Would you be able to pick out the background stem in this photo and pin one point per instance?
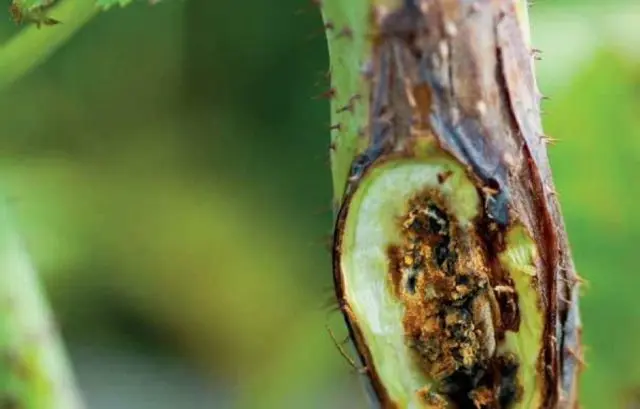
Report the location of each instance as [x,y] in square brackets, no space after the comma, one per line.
[34,372]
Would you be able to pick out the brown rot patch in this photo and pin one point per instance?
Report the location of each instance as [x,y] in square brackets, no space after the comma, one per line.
[492,384]
[433,399]
[440,273]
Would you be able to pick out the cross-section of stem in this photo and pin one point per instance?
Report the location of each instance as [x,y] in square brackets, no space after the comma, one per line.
[451,261]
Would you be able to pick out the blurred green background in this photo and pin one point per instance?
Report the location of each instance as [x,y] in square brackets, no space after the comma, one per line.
[168,168]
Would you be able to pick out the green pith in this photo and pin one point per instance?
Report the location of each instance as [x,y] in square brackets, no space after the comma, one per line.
[519,260]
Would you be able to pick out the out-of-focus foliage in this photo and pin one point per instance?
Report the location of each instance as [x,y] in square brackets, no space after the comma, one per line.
[34,372]
[169,170]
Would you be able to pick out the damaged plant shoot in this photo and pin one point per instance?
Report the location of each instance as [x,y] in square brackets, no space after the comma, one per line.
[450,257]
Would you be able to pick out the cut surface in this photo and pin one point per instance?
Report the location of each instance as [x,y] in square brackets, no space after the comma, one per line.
[382,200]
[444,318]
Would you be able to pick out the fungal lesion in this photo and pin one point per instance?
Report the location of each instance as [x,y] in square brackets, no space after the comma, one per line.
[439,272]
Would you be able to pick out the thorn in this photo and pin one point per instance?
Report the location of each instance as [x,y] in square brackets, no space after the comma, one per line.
[536,54]
[575,279]
[329,94]
[571,281]
[578,356]
[552,191]
[344,354]
[350,105]
[328,26]
[332,147]
[564,300]
[331,305]
[346,32]
[336,127]
[549,140]
[580,280]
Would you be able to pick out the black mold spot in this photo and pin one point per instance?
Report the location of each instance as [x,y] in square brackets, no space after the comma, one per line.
[463,279]
[442,252]
[435,225]
[499,375]
[412,281]
[438,220]
[508,389]
[434,222]
[459,385]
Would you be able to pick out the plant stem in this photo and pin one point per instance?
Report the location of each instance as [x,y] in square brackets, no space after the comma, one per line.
[448,93]
[33,45]
[34,371]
